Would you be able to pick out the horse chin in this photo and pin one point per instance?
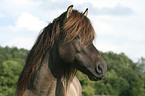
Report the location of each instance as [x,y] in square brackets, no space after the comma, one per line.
[94,78]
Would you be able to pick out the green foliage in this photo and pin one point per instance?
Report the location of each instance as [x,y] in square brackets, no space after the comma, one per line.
[10,71]
[87,85]
[11,64]
[123,77]
[13,54]
[141,64]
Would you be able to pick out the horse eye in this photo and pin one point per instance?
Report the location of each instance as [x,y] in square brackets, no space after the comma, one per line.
[77,37]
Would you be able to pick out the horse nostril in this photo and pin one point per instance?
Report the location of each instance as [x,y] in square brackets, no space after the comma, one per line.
[99,69]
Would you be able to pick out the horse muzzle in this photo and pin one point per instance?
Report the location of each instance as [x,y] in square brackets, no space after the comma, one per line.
[100,71]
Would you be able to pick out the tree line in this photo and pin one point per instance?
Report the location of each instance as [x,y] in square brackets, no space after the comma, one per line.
[123,78]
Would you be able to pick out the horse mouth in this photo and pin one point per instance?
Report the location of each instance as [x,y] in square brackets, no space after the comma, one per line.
[94,78]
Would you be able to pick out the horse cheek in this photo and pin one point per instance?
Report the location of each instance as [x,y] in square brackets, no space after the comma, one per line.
[67,53]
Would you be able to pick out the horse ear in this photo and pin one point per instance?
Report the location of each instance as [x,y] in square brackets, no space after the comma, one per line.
[69,11]
[86,12]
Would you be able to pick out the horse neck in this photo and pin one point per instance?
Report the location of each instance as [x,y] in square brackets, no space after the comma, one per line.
[44,83]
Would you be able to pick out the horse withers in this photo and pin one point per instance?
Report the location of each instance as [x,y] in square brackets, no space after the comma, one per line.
[62,48]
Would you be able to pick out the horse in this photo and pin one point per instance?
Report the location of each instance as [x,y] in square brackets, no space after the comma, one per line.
[63,47]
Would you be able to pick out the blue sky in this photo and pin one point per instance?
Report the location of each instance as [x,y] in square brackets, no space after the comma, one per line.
[119,24]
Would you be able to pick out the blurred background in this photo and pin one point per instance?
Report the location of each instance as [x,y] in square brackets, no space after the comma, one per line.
[120,37]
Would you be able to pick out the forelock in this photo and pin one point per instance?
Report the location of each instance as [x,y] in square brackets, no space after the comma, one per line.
[78,25]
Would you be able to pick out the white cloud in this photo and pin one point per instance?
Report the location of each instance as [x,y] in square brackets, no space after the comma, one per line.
[75,2]
[22,38]
[106,46]
[23,33]
[2,15]
[97,3]
[21,2]
[117,10]
[135,4]
[22,42]
[26,20]
[100,26]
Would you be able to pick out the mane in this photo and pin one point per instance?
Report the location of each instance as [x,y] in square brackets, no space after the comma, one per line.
[76,25]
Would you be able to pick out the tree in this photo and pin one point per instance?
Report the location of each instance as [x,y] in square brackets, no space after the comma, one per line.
[87,85]
[141,64]
[9,73]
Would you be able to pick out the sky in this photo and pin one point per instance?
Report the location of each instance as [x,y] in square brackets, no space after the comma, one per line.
[119,24]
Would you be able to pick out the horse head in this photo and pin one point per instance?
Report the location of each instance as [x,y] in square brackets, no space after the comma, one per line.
[75,45]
